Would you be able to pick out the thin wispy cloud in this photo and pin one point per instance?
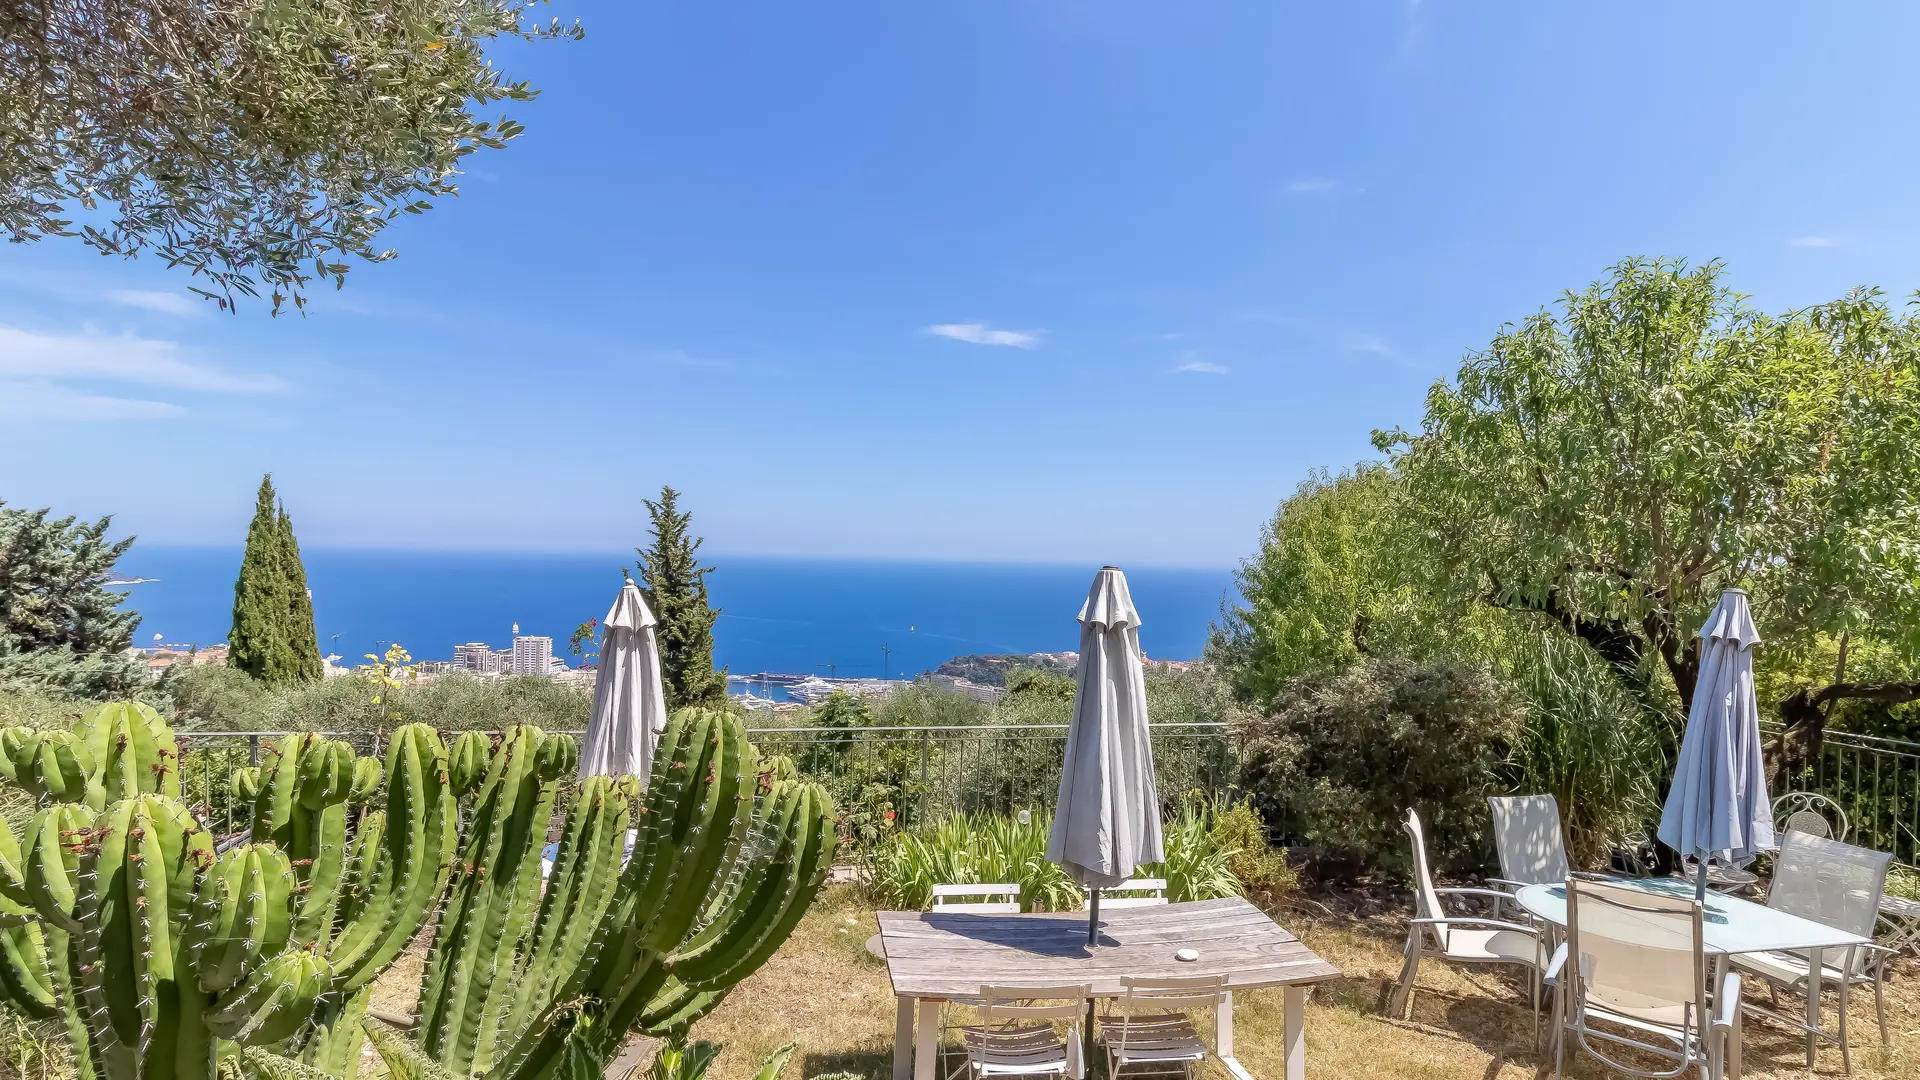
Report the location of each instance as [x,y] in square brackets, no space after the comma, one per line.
[167,303]
[50,376]
[1370,343]
[37,399]
[974,333]
[1814,241]
[1200,367]
[1312,185]
[1330,336]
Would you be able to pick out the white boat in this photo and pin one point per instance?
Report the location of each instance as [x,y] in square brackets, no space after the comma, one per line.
[811,690]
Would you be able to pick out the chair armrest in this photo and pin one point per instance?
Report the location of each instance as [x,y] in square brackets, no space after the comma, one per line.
[1497,894]
[1554,965]
[1729,1004]
[1497,924]
[1509,881]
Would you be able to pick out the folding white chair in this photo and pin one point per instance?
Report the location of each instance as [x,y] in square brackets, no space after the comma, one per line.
[1145,892]
[1149,1028]
[1027,1031]
[997,899]
[1838,885]
[1463,939]
[1809,812]
[1634,969]
[1526,831]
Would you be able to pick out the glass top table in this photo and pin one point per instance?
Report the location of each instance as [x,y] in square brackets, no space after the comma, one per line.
[1729,924]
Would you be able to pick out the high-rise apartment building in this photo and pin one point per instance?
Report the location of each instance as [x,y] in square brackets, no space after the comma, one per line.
[475,656]
[532,654]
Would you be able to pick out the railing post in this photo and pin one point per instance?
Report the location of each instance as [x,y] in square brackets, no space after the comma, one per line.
[926,746]
[253,751]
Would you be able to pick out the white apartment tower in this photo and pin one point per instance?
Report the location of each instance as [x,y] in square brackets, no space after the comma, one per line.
[532,654]
[476,657]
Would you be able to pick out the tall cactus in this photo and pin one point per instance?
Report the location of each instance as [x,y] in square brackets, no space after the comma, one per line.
[163,956]
[726,861]
[116,914]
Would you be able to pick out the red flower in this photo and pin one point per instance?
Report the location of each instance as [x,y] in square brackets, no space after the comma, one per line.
[889,815]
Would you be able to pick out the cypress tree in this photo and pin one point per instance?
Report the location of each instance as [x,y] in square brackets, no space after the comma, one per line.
[273,638]
[675,587]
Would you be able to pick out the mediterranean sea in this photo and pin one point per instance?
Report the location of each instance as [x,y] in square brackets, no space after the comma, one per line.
[806,616]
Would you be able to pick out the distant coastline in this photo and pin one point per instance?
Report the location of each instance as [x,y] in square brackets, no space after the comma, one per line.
[828,617]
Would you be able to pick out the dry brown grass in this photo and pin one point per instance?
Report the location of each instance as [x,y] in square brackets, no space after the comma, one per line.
[824,992]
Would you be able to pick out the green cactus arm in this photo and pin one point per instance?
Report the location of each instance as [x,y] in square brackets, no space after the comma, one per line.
[675,1008]
[57,765]
[243,784]
[421,837]
[472,943]
[54,842]
[273,807]
[468,760]
[369,775]
[326,870]
[11,755]
[815,859]
[26,971]
[13,874]
[403,1060]
[241,914]
[764,890]
[727,788]
[134,750]
[334,1044]
[274,1002]
[584,871]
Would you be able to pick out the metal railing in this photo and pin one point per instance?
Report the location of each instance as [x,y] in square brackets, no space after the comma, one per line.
[925,773]
[1875,781]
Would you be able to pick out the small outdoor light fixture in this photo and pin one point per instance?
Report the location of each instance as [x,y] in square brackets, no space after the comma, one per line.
[1025,817]
[1187,956]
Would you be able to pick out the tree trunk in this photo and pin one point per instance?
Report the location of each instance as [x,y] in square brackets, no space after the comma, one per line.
[1803,717]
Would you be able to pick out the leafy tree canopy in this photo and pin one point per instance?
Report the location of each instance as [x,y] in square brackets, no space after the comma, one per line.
[255,142]
[1617,464]
[61,629]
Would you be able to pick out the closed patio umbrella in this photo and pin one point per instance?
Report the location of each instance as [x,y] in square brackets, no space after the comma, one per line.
[1718,803]
[629,706]
[1107,821]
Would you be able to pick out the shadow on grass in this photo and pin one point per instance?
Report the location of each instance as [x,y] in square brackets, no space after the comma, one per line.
[866,1064]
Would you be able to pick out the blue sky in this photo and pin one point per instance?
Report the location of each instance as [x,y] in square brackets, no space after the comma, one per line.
[1063,281]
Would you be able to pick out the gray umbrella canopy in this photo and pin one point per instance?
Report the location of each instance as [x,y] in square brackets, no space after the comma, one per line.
[629,704]
[1718,804]
[1107,821]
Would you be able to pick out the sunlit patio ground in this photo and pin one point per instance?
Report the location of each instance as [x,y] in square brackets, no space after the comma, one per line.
[825,992]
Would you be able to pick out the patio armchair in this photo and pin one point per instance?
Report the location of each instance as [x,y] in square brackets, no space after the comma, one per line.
[1839,885]
[1809,812]
[1526,831]
[1020,1034]
[993,899]
[1461,938]
[1154,888]
[1638,980]
[1149,1029]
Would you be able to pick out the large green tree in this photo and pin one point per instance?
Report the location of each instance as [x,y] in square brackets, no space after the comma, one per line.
[1613,466]
[675,586]
[255,142]
[61,629]
[273,638]
[1328,586]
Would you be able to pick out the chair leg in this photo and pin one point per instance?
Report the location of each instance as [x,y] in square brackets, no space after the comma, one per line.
[1533,986]
[1846,1050]
[1404,995]
[1880,999]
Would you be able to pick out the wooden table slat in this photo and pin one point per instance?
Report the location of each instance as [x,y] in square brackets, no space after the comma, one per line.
[951,955]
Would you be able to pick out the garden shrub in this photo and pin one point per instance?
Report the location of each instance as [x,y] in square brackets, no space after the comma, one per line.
[1340,757]
[1262,870]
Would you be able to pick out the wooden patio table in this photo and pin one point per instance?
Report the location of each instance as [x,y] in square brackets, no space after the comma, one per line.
[940,956]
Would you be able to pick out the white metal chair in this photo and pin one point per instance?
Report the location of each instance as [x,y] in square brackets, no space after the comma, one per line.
[995,899]
[1149,1028]
[1464,939]
[1027,1031]
[1838,885]
[1155,890]
[1637,964]
[1526,830]
[1809,812]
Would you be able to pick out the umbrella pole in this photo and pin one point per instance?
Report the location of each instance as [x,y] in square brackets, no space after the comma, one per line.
[1093,916]
[1700,881]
